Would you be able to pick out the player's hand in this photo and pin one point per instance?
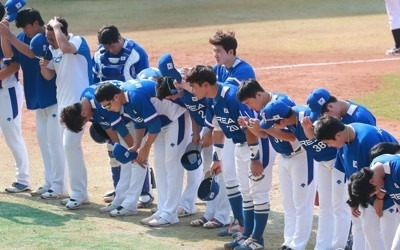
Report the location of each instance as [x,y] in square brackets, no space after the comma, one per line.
[378,205]
[196,138]
[216,167]
[55,23]
[143,155]
[207,139]
[256,167]
[43,63]
[5,23]
[254,123]
[306,123]
[243,120]
[355,212]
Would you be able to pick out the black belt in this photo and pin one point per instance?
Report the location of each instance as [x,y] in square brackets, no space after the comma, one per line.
[294,152]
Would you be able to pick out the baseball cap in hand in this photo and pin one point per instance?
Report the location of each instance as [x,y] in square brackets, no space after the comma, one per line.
[40,47]
[316,101]
[167,67]
[12,8]
[191,159]
[208,189]
[272,112]
[122,154]
[98,133]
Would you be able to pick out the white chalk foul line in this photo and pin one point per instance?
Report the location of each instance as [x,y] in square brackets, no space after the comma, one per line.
[325,63]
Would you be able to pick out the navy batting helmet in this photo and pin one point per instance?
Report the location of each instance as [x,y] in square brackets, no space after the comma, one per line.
[208,189]
[191,159]
[98,134]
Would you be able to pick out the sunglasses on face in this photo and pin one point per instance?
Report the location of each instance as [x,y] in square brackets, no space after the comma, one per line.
[107,106]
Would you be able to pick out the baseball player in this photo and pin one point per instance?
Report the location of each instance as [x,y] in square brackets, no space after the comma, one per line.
[11,95]
[217,210]
[70,54]
[357,139]
[380,179]
[229,69]
[253,159]
[118,58]
[293,157]
[167,124]
[40,95]
[133,175]
[280,115]
[393,12]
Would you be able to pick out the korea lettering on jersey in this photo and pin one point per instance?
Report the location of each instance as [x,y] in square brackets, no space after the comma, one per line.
[124,66]
[319,150]
[391,166]
[356,153]
[358,113]
[226,108]
[239,71]
[197,108]
[102,116]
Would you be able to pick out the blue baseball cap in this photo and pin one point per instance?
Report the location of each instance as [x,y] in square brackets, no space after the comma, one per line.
[40,47]
[150,74]
[122,154]
[316,101]
[191,159]
[272,112]
[167,67]
[12,7]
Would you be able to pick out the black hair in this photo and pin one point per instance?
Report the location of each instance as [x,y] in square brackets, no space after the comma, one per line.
[327,127]
[106,92]
[164,87]
[108,34]
[71,116]
[360,186]
[248,89]
[28,16]
[200,74]
[383,148]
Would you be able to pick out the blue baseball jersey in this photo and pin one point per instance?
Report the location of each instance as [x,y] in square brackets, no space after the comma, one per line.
[355,113]
[391,166]
[239,72]
[197,108]
[358,113]
[124,66]
[101,115]
[146,110]
[39,92]
[355,155]
[225,107]
[319,150]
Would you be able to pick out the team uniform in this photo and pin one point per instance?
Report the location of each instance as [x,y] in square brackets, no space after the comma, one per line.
[239,71]
[391,166]
[11,98]
[218,209]
[355,156]
[171,122]
[123,67]
[133,175]
[254,190]
[73,77]
[40,95]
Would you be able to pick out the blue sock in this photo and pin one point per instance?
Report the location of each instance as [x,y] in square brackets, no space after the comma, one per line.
[261,213]
[248,212]
[237,209]
[146,185]
[115,172]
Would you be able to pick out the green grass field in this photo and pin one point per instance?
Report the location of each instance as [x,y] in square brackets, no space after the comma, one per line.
[285,29]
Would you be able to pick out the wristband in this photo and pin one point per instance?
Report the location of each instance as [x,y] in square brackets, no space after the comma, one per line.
[254,152]
[217,152]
